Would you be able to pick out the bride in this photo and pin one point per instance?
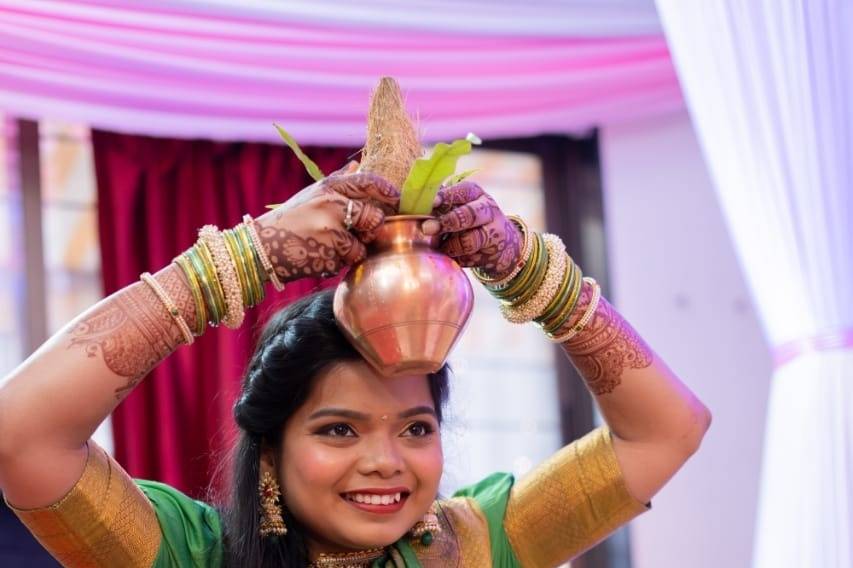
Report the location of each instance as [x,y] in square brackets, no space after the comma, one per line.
[336,465]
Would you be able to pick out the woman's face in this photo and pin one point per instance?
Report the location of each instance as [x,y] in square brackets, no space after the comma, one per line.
[361,460]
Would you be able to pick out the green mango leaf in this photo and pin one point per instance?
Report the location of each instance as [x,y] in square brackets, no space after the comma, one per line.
[313,170]
[453,180]
[427,174]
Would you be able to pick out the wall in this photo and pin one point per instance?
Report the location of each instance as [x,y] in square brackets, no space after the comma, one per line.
[676,278]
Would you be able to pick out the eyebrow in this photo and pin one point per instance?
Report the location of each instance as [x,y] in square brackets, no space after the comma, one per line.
[355,415]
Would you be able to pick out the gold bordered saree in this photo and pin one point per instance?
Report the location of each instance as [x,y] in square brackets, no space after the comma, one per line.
[562,508]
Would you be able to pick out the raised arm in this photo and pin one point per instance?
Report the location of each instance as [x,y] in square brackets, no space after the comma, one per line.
[52,403]
[654,423]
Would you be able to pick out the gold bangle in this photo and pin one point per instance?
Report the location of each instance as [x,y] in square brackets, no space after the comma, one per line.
[587,316]
[227,274]
[256,269]
[194,257]
[565,314]
[546,291]
[561,296]
[249,223]
[536,278]
[169,305]
[523,256]
[195,290]
[212,280]
[240,268]
[519,284]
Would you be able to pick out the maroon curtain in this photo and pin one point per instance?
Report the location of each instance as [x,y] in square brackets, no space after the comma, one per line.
[153,196]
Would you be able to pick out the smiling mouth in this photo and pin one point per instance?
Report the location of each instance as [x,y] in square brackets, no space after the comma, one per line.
[375,503]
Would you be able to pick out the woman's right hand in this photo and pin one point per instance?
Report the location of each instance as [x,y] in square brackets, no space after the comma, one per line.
[307,235]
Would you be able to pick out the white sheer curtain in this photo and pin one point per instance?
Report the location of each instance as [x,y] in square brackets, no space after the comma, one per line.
[768,83]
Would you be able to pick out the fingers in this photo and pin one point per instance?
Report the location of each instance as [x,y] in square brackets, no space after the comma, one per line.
[365,185]
[459,194]
[465,243]
[365,216]
[349,248]
[479,212]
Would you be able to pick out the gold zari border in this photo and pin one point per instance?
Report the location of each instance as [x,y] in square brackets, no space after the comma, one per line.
[569,503]
[104,521]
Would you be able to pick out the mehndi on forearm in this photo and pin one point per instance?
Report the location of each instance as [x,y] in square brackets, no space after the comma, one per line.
[213,282]
[606,346]
[132,330]
[548,288]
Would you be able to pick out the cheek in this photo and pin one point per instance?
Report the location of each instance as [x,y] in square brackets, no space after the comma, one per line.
[427,465]
[310,470]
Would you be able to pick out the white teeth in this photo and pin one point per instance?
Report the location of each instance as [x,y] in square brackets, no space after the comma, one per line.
[369,499]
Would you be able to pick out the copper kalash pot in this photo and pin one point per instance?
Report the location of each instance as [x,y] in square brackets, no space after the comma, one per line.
[405,306]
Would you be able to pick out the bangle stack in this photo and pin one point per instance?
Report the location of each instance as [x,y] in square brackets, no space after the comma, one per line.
[226,272]
[544,287]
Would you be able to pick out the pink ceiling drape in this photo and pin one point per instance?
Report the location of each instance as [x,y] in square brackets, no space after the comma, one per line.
[208,70]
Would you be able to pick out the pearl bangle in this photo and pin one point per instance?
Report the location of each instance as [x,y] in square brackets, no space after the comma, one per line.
[535,306]
[587,316]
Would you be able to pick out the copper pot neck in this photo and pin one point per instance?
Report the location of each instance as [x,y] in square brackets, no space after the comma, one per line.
[400,233]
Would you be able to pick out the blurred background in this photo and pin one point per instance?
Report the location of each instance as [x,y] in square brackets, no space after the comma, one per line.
[695,157]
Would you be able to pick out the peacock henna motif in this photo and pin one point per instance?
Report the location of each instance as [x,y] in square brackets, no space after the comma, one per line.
[606,347]
[132,331]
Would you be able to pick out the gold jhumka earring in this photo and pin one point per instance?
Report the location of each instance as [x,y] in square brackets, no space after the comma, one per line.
[272,523]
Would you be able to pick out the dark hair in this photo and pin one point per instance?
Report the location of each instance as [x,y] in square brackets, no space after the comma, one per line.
[297,344]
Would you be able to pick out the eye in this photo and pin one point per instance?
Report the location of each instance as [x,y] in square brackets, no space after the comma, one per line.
[419,429]
[339,430]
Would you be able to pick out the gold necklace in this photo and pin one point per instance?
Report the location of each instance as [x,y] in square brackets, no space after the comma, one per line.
[360,559]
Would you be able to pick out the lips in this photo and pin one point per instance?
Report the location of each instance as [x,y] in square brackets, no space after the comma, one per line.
[381,501]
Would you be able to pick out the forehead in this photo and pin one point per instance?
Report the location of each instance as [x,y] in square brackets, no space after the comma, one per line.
[356,385]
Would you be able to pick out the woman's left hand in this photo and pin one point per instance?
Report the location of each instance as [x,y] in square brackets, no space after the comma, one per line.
[478,234]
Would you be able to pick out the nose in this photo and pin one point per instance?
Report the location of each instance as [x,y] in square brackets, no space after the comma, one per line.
[381,456]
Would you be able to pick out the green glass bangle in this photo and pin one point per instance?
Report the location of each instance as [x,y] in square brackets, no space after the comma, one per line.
[195,256]
[571,304]
[537,279]
[562,295]
[256,268]
[518,285]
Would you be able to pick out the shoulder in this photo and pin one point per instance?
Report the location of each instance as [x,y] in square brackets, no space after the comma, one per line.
[470,527]
[191,529]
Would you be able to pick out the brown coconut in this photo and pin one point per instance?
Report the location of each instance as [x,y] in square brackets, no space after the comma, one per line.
[392,144]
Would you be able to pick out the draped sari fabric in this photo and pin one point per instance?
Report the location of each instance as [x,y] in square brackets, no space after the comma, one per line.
[769,87]
[224,70]
[153,195]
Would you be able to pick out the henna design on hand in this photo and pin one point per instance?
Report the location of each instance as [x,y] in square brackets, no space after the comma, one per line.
[132,330]
[480,235]
[295,257]
[606,347]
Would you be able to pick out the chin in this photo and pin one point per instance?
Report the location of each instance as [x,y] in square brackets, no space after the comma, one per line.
[373,537]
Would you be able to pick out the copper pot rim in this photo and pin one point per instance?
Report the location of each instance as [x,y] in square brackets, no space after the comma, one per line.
[408,217]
